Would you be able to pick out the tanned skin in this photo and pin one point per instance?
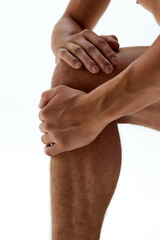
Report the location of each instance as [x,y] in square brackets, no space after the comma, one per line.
[83,180]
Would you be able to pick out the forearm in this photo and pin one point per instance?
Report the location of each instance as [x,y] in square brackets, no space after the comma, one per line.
[137,87]
[78,15]
[83,80]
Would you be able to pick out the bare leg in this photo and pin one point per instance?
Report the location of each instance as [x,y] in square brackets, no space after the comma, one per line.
[83,180]
[82,184]
[147,117]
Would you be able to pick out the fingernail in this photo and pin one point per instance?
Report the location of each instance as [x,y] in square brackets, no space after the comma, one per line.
[78,64]
[95,68]
[108,69]
[114,60]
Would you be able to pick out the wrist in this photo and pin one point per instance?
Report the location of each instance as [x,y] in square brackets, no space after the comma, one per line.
[110,98]
[65,28]
[95,98]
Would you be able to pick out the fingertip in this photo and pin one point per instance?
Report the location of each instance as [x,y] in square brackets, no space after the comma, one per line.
[114,60]
[114,37]
[78,65]
[114,44]
[95,69]
[108,69]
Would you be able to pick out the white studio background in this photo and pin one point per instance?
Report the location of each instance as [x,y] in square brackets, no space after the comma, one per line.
[26,67]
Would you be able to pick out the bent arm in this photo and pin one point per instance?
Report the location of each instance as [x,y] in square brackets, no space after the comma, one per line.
[84,80]
[137,87]
[79,15]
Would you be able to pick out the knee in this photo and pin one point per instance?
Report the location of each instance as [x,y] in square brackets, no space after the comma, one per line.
[80,79]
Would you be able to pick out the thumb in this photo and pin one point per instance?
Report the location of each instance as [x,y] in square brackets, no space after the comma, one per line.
[52,150]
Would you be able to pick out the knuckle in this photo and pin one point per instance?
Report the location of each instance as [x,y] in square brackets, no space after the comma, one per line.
[88,62]
[40,126]
[77,50]
[43,95]
[100,40]
[63,52]
[44,113]
[40,115]
[91,48]
[86,31]
[102,61]
[47,126]
[110,54]
[75,37]
[42,139]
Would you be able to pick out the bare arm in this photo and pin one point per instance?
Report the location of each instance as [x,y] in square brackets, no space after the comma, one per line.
[79,15]
[137,87]
[84,80]
[74,42]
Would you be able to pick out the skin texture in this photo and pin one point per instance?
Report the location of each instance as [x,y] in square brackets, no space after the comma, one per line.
[83,179]
[88,49]
[82,184]
[137,87]
[82,80]
[147,117]
[63,138]
[74,41]
[79,15]
[82,115]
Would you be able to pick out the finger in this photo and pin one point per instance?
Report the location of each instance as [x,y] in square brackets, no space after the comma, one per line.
[44,114]
[97,56]
[113,37]
[40,115]
[46,97]
[112,41]
[52,150]
[64,54]
[102,45]
[46,139]
[83,56]
[42,127]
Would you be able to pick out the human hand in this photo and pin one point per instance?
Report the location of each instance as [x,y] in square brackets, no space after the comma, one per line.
[88,49]
[69,120]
